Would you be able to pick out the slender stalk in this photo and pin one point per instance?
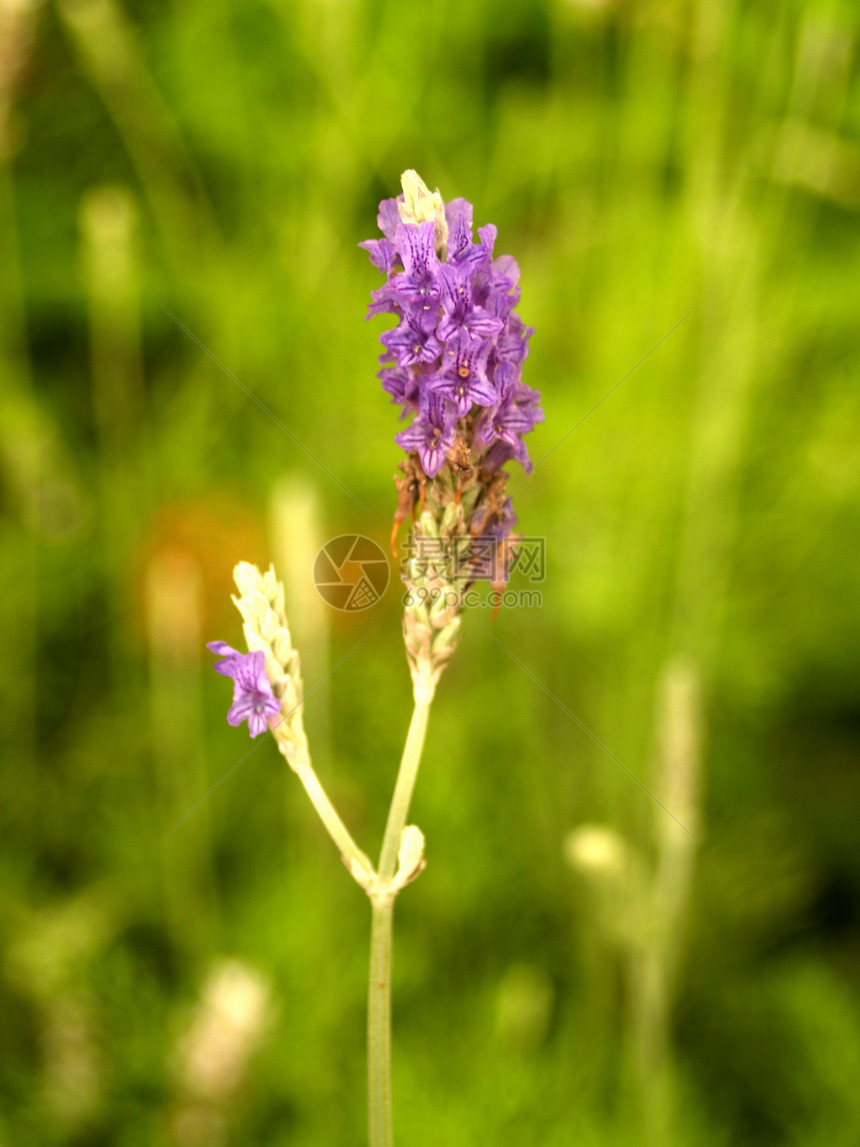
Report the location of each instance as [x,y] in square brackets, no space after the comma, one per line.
[409,763]
[335,827]
[379,1023]
[382,903]
[298,758]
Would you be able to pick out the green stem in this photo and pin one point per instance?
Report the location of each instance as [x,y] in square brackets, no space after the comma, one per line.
[382,902]
[337,830]
[409,763]
[379,1024]
[298,758]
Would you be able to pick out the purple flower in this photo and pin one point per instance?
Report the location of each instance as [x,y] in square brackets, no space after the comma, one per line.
[529,398]
[459,310]
[512,344]
[461,249]
[383,302]
[388,218]
[503,427]
[495,288]
[511,421]
[383,254]
[506,380]
[409,343]
[463,377]
[487,235]
[431,434]
[418,283]
[403,386]
[457,351]
[453,362]
[253,699]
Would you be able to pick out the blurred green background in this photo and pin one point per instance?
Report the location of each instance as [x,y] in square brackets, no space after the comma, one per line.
[573,967]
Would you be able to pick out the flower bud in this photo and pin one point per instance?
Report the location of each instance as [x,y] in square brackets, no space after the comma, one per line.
[421,205]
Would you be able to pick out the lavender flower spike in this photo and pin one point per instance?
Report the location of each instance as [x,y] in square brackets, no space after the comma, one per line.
[454,363]
[253,699]
[261,604]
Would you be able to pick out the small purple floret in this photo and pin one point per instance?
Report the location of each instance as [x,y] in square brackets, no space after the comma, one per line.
[463,377]
[431,435]
[459,312]
[253,700]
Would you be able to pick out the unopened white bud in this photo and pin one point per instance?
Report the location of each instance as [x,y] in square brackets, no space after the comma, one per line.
[410,856]
[421,205]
